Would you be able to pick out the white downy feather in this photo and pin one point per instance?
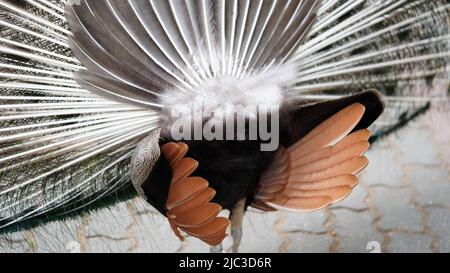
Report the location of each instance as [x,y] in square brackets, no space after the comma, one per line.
[258,88]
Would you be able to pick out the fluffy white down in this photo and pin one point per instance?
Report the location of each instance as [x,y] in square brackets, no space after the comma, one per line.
[259,88]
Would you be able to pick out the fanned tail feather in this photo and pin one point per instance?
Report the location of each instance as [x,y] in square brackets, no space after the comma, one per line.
[59,144]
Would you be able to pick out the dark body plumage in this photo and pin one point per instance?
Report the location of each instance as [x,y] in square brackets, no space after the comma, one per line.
[234,168]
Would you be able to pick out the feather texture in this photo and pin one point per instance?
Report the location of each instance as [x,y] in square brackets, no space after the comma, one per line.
[320,168]
[188,203]
[59,143]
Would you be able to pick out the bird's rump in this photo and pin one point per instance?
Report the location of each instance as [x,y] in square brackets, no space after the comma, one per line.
[318,169]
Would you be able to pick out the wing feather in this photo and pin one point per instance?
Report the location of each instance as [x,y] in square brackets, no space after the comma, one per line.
[319,169]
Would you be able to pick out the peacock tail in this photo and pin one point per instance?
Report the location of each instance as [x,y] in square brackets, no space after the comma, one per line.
[82,82]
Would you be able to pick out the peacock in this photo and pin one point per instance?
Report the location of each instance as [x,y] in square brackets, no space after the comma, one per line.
[204,106]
